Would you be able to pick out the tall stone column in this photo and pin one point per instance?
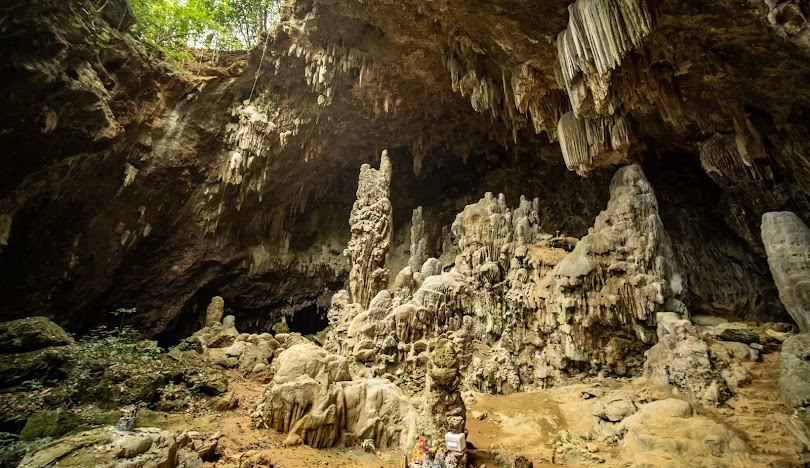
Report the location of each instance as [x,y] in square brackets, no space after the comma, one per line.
[787,243]
[371,224]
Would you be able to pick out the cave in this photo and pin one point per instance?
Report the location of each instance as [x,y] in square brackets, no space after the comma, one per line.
[596,209]
[308,321]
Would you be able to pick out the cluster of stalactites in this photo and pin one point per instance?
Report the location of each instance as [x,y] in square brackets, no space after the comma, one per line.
[600,33]
[324,63]
[513,97]
[591,143]
[250,137]
[720,157]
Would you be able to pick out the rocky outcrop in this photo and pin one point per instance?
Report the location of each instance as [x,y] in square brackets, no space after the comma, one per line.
[313,399]
[527,308]
[33,349]
[710,372]
[787,243]
[105,446]
[794,374]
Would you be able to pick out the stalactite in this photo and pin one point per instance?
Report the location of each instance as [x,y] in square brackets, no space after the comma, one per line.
[599,142]
[574,142]
[603,63]
[600,33]
[720,157]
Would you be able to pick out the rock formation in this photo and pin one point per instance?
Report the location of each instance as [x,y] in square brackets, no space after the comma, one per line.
[708,371]
[130,185]
[232,179]
[787,243]
[314,400]
[215,311]
[794,375]
[525,311]
[371,228]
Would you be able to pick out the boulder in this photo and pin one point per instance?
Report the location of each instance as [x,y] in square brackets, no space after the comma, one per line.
[131,447]
[310,360]
[614,407]
[105,446]
[218,335]
[259,354]
[707,320]
[667,430]
[682,358]
[313,399]
[787,244]
[31,334]
[44,364]
[736,331]
[226,401]
[50,423]
[794,374]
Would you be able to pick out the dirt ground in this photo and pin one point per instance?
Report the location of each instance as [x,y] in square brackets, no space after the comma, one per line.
[241,443]
[503,427]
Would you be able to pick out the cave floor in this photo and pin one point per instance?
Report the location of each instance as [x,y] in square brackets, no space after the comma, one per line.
[503,427]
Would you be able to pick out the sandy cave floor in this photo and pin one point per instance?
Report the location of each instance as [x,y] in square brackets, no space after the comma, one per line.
[519,424]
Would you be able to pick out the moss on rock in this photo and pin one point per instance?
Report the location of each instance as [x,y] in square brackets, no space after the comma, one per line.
[50,423]
[31,334]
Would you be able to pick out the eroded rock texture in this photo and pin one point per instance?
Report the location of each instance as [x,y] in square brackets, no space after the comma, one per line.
[130,186]
[787,243]
[794,374]
[526,308]
[371,227]
[314,400]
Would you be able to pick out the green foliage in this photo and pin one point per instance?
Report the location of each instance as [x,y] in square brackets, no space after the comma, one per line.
[123,312]
[12,450]
[368,445]
[281,326]
[171,26]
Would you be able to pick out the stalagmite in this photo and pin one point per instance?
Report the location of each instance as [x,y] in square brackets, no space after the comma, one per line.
[371,226]
[418,241]
[526,307]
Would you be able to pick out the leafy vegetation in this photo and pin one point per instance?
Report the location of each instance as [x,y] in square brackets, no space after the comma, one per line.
[123,313]
[172,26]
[12,450]
[368,445]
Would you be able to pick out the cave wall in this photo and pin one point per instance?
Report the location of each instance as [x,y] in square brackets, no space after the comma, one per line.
[128,185]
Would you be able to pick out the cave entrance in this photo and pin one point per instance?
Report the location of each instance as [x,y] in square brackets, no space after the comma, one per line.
[308,320]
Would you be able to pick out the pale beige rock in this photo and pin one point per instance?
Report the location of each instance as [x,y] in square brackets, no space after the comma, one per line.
[666,430]
[371,227]
[313,400]
[682,358]
[787,243]
[529,310]
[215,311]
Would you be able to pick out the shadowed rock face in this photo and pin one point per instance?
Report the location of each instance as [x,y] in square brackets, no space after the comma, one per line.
[128,186]
[787,242]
